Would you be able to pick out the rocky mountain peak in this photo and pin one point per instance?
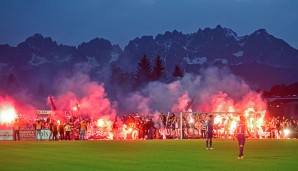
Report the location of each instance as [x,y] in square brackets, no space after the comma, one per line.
[38,42]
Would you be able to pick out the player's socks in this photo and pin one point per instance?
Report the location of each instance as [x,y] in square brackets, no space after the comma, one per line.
[241,151]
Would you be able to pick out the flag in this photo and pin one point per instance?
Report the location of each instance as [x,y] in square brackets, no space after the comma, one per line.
[190,105]
[78,106]
[53,107]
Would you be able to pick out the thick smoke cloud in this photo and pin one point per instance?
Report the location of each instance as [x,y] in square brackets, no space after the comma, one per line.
[215,89]
[80,90]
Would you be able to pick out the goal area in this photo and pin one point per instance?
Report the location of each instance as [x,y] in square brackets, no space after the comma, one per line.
[188,118]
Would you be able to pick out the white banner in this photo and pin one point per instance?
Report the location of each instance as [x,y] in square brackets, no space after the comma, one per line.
[6,135]
[45,134]
[43,112]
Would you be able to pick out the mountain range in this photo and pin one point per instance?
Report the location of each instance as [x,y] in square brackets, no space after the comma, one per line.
[259,58]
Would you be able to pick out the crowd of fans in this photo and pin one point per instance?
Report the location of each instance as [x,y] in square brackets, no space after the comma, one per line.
[194,126]
[160,126]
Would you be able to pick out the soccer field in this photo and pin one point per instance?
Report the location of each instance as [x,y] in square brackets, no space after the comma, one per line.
[164,155]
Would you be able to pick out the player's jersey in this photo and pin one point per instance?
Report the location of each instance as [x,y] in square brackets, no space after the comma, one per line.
[209,126]
[241,128]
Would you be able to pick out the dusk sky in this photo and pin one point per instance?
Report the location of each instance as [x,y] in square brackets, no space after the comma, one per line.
[73,22]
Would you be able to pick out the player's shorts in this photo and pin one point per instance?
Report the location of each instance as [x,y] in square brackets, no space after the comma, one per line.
[209,135]
[241,139]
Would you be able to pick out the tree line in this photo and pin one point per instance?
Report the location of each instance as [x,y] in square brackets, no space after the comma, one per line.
[145,73]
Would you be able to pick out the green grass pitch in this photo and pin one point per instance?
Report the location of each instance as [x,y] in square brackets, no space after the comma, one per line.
[151,155]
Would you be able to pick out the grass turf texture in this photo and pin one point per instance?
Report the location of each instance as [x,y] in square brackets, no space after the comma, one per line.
[148,155]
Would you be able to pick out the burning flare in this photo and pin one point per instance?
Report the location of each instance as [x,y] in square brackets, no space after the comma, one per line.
[7,114]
